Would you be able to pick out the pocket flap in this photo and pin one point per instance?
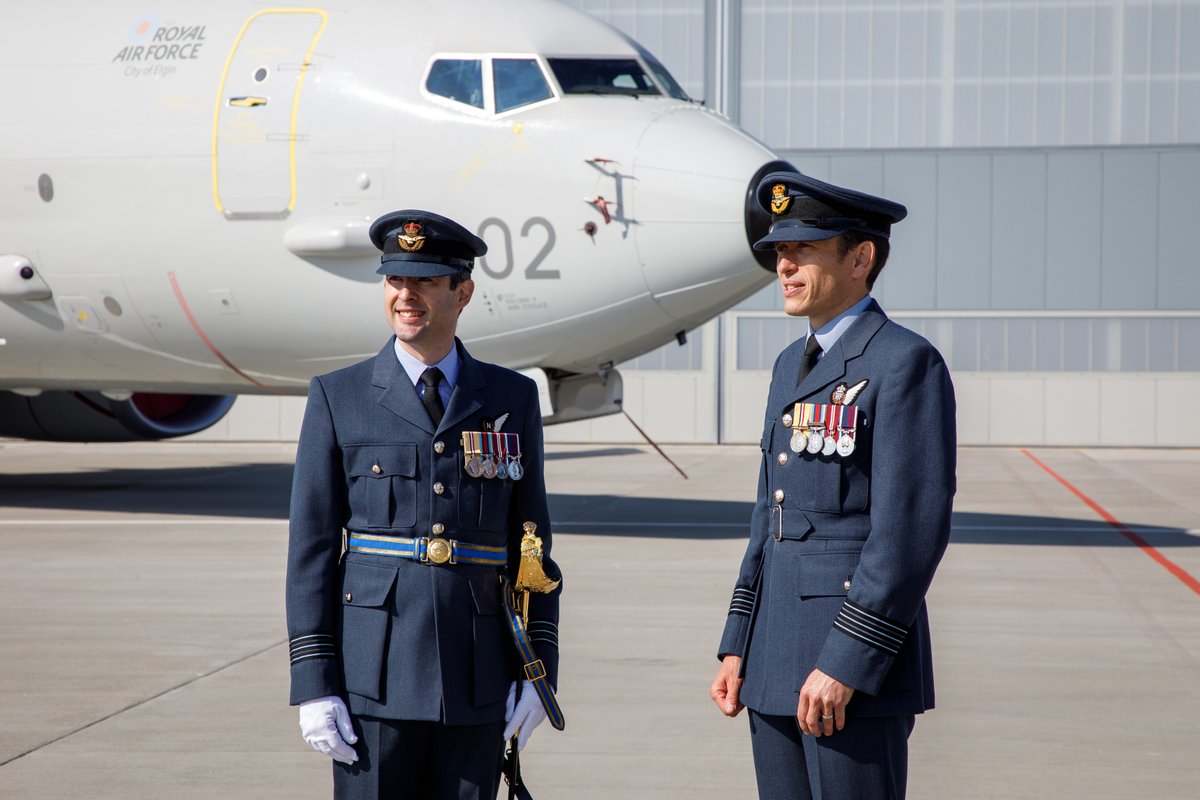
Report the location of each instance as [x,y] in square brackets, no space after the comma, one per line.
[381,460]
[826,574]
[366,584]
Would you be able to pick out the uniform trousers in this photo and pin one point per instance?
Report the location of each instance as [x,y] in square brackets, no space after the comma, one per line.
[867,760]
[412,760]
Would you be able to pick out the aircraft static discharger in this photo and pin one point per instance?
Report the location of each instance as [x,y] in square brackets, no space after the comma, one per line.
[185,198]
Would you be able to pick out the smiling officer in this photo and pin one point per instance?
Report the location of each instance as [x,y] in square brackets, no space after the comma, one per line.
[415,472]
[827,638]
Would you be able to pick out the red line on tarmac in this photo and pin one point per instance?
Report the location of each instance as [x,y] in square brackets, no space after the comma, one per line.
[1170,566]
[203,337]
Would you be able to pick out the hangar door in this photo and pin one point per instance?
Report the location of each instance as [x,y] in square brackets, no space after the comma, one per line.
[254,138]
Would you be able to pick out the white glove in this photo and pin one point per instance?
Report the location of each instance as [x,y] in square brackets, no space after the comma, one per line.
[527,715]
[325,724]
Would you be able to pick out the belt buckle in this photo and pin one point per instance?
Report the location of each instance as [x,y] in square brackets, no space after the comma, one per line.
[439,551]
[778,536]
[535,670]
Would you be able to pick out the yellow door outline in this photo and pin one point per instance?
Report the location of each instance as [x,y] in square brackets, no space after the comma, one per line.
[295,97]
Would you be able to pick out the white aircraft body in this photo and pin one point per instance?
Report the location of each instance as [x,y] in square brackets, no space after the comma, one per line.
[185,198]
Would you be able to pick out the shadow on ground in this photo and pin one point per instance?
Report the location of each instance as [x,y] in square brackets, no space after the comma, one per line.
[262,491]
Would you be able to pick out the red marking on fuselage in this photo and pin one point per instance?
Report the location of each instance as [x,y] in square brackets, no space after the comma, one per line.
[204,337]
[1170,566]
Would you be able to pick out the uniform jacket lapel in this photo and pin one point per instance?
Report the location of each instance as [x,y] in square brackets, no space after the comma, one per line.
[398,395]
[467,397]
[851,344]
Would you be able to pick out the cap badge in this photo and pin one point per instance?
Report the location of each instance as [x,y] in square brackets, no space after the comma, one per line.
[844,395]
[411,240]
[779,199]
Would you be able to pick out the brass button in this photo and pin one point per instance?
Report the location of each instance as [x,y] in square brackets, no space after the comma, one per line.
[438,488]
[786,420]
[349,597]
[438,447]
[438,529]
[376,469]
[779,495]
[846,585]
[783,458]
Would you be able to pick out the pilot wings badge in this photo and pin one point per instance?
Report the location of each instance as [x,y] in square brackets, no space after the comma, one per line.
[845,396]
[779,199]
[411,240]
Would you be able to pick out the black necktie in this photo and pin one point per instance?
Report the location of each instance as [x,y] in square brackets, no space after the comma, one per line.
[430,378]
[811,351]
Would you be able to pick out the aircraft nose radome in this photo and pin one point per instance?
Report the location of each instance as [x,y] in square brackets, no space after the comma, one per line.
[690,215]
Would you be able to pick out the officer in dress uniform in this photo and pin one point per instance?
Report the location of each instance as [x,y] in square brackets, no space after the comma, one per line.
[401,659]
[827,638]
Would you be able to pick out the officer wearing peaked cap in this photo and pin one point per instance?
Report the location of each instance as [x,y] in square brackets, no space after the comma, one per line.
[827,636]
[401,657]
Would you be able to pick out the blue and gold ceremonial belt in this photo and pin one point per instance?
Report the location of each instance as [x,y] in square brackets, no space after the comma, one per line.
[427,550]
[535,670]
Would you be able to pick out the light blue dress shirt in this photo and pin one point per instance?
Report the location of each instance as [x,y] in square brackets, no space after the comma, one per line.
[832,331]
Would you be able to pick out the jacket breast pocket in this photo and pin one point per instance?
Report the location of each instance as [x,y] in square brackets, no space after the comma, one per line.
[826,574]
[383,486]
[366,616]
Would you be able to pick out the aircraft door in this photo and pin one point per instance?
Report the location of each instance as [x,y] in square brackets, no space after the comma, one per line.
[254,133]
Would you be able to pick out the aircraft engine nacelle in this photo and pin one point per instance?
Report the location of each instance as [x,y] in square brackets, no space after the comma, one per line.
[565,397]
[92,417]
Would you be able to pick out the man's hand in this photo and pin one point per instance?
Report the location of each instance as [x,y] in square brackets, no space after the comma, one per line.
[325,724]
[522,715]
[822,707]
[727,686]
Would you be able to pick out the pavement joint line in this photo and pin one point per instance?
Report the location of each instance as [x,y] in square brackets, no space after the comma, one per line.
[142,702]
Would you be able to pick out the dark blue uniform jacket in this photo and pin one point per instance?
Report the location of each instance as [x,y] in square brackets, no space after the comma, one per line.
[401,639]
[836,570]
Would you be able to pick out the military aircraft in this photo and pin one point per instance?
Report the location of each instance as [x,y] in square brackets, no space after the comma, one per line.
[185,198]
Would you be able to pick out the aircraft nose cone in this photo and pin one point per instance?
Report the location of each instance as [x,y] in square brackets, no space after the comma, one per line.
[758,221]
[688,213]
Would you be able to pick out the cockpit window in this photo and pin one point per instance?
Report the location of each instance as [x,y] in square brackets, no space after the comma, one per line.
[518,82]
[602,76]
[662,74]
[459,79]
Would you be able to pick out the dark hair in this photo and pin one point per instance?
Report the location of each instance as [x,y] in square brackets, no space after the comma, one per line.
[851,239]
[459,277]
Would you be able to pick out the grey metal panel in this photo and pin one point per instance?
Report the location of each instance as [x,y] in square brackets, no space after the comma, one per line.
[863,172]
[1048,344]
[1128,277]
[1178,271]
[856,117]
[1189,345]
[909,281]
[1049,114]
[964,223]
[1018,275]
[1019,122]
[1162,345]
[1074,189]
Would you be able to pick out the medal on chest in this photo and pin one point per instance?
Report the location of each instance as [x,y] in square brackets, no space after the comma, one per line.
[490,454]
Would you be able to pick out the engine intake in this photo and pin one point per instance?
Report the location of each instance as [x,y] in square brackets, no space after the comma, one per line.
[91,417]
